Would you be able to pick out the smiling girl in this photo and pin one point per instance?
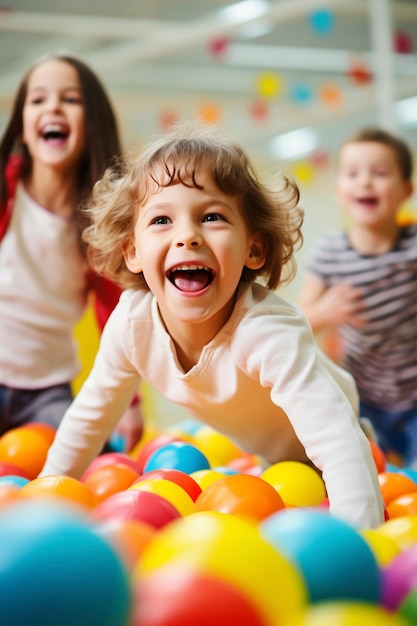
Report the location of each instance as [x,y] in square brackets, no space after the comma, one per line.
[61,135]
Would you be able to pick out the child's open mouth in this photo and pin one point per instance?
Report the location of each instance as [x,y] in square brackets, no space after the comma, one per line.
[53,132]
[190,278]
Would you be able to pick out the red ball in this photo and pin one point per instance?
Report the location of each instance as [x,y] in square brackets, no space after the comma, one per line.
[172,596]
[136,505]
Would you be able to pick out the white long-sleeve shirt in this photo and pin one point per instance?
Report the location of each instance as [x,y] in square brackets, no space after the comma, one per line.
[262,381]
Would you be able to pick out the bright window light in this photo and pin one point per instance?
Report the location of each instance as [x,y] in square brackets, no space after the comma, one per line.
[242,12]
[407,111]
[295,144]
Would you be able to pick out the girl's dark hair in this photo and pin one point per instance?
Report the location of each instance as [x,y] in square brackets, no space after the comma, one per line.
[102,136]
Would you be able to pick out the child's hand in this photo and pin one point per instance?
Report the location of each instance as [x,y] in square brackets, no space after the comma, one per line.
[342,304]
[130,426]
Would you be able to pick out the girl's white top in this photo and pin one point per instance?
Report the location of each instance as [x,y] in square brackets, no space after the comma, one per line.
[262,381]
[43,293]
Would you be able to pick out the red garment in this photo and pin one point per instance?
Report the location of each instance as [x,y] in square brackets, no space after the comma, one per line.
[106,293]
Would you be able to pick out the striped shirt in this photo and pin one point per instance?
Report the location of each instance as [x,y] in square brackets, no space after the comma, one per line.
[382,356]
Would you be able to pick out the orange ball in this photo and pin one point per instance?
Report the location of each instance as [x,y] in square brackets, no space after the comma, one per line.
[393,485]
[43,429]
[60,487]
[403,505]
[128,537]
[242,495]
[379,457]
[109,479]
[25,448]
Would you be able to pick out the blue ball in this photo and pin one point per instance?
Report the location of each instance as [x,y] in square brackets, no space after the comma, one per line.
[55,569]
[177,455]
[13,480]
[334,559]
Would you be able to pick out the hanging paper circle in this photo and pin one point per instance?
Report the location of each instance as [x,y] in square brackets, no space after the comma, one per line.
[322,21]
[301,93]
[331,95]
[269,85]
[259,110]
[403,44]
[359,72]
[218,47]
[319,159]
[209,113]
[167,119]
[304,171]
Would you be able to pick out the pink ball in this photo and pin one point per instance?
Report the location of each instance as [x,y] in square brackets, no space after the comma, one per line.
[399,577]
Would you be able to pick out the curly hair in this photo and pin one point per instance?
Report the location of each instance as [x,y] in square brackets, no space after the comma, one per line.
[271,212]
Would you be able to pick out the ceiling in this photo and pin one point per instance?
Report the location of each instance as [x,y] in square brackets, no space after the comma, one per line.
[327,66]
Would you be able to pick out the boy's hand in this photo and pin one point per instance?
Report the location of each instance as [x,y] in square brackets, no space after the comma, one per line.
[342,305]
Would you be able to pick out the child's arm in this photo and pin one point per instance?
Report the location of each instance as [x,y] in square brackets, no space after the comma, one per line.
[327,307]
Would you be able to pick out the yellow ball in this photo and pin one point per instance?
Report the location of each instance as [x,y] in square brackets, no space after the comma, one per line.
[233,550]
[298,484]
[383,546]
[205,478]
[218,448]
[403,530]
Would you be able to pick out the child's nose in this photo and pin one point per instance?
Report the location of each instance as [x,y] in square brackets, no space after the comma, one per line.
[189,238]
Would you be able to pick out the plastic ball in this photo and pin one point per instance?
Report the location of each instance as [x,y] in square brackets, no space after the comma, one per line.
[65,487]
[345,614]
[18,481]
[403,505]
[334,559]
[246,496]
[177,455]
[206,477]
[170,491]
[393,485]
[186,481]
[9,469]
[46,430]
[152,445]
[109,458]
[383,547]
[218,448]
[25,448]
[399,578]
[109,479]
[128,537]
[136,505]
[54,569]
[402,530]
[379,457]
[298,484]
[8,494]
[227,547]
[173,596]
[408,607]
[247,464]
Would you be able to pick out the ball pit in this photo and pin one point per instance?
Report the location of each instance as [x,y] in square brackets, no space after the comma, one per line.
[194,542]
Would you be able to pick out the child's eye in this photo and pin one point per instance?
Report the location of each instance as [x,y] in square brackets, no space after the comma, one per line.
[161,220]
[73,100]
[213,217]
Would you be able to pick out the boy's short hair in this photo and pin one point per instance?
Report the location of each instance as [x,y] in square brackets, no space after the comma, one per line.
[378,135]
[273,212]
